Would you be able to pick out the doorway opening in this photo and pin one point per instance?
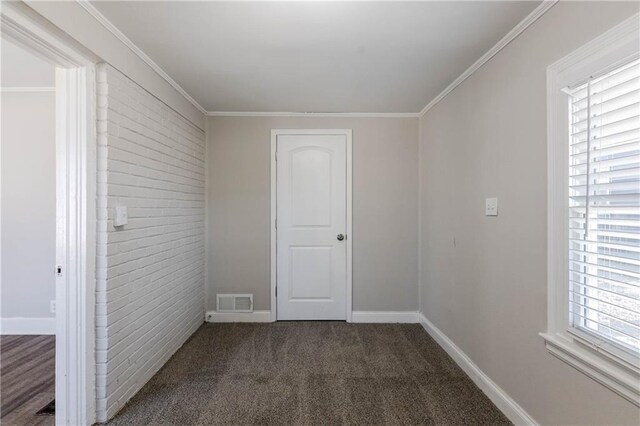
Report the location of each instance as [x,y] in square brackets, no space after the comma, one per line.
[48,229]
[29,233]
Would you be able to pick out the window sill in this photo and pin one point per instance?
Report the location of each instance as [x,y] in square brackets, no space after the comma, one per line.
[613,375]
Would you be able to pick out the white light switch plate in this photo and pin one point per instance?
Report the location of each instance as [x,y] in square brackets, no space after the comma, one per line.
[491,207]
[121,217]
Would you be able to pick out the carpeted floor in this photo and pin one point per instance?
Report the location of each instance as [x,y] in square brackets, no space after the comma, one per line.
[304,373]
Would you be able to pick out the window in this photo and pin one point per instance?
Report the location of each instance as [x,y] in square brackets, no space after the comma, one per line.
[604,208]
[594,209]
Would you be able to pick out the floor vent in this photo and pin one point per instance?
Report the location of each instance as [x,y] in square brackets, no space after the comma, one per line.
[235,303]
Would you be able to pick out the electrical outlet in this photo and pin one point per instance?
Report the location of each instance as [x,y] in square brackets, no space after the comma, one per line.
[52,306]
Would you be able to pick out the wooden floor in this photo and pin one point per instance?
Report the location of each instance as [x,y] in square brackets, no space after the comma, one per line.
[27,379]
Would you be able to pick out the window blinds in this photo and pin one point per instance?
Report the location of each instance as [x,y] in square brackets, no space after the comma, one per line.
[604,207]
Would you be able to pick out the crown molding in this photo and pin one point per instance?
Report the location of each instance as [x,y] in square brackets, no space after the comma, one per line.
[511,35]
[515,32]
[91,9]
[26,89]
[315,114]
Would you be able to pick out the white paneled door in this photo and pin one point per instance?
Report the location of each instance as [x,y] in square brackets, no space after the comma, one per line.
[311,226]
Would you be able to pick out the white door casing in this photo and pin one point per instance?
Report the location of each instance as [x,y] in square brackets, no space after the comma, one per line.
[75,208]
[312,224]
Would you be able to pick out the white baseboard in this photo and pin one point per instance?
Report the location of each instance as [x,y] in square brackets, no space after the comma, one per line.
[499,397]
[28,326]
[406,317]
[255,316]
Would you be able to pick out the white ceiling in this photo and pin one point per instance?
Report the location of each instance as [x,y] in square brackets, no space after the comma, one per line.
[382,57]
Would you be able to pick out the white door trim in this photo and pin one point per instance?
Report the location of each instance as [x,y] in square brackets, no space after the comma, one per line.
[274,179]
[75,208]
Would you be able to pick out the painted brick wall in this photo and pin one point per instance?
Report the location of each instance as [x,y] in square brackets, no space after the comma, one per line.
[150,286]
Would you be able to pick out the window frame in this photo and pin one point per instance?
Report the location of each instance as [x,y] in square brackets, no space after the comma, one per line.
[586,352]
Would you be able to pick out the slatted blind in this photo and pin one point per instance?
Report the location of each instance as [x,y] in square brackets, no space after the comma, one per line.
[604,207]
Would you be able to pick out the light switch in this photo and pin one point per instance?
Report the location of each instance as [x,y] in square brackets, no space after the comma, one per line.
[491,207]
[121,217]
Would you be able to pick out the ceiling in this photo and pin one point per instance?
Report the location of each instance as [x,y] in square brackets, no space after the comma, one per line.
[354,57]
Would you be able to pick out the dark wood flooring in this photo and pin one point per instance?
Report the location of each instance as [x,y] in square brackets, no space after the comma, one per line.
[27,379]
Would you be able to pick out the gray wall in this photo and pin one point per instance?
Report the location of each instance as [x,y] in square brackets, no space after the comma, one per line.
[28,204]
[385,207]
[28,218]
[488,292]
[84,31]
[21,68]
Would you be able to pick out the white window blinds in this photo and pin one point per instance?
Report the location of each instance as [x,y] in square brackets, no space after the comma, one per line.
[604,208]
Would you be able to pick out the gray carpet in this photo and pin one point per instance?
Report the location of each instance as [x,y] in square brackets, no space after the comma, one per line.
[307,373]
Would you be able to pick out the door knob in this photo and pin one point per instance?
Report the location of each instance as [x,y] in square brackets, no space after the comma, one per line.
[340,237]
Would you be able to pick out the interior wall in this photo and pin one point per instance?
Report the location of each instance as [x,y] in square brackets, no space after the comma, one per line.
[483,278]
[21,68]
[151,154]
[72,18]
[28,203]
[28,176]
[150,272]
[385,219]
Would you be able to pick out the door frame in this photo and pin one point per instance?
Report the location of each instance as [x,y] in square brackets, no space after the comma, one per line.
[75,142]
[347,133]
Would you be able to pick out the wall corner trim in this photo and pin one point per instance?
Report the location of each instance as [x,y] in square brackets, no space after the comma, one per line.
[497,395]
[30,326]
[511,35]
[91,9]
